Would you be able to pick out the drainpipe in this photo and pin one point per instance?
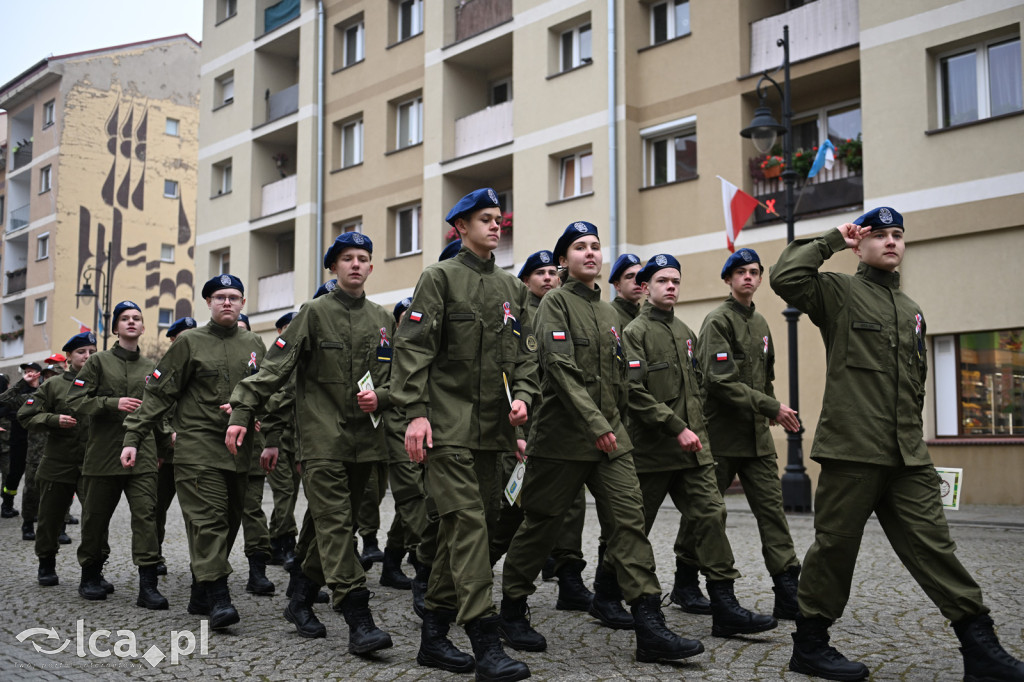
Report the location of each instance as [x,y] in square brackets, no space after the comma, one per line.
[613,156]
[319,249]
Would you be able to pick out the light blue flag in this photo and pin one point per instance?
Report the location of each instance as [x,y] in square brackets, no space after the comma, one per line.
[826,158]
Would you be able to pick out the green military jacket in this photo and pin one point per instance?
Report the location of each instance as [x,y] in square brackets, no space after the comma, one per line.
[584,390]
[737,357]
[65,448]
[330,344]
[874,350]
[194,378]
[664,391]
[627,312]
[469,323]
[107,377]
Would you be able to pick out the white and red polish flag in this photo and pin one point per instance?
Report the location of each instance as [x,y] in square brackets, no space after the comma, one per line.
[738,205]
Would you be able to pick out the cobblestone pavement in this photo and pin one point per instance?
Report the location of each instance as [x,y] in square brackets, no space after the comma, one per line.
[890,625]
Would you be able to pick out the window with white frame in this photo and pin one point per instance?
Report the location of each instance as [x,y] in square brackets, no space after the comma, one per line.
[835,122]
[171,189]
[669,20]
[45,179]
[353,225]
[409,123]
[171,127]
[40,311]
[352,48]
[167,253]
[226,9]
[43,246]
[577,174]
[670,152]
[980,81]
[352,143]
[224,89]
[49,111]
[220,261]
[221,176]
[575,47]
[410,19]
[407,230]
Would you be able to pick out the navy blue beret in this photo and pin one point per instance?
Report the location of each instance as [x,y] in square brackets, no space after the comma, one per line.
[401,307]
[623,263]
[450,251]
[123,306]
[346,240]
[244,319]
[223,281]
[179,325]
[326,288]
[659,262]
[580,228]
[741,257]
[881,218]
[284,319]
[474,201]
[536,261]
[79,340]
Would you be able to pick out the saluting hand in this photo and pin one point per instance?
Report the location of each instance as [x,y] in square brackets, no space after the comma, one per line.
[268,459]
[416,434]
[367,401]
[518,415]
[128,457]
[128,404]
[234,438]
[606,443]
[852,234]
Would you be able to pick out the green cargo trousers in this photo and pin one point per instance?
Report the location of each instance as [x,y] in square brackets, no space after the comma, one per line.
[54,501]
[284,485]
[101,497]
[255,532]
[211,502]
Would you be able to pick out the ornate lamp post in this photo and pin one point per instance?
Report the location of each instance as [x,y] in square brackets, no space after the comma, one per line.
[86,291]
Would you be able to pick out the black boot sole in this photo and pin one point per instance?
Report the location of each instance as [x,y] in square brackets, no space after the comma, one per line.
[153,606]
[396,584]
[319,633]
[431,662]
[608,623]
[224,621]
[260,591]
[92,596]
[49,582]
[381,643]
[726,631]
[800,667]
[653,655]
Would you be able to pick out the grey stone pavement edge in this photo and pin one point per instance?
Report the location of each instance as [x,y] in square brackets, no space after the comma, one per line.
[889,624]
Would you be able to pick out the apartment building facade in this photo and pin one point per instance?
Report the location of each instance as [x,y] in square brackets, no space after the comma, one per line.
[623,112]
[99,190]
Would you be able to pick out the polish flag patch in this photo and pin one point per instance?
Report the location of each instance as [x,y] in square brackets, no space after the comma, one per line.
[634,364]
[156,374]
[415,316]
[30,401]
[280,343]
[721,357]
[558,336]
[79,382]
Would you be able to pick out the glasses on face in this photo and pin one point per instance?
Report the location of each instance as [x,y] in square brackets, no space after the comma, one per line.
[233,300]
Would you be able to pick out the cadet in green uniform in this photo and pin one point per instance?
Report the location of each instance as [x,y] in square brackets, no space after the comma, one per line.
[579,438]
[61,467]
[871,448]
[26,449]
[628,294]
[737,355]
[672,451]
[107,390]
[465,375]
[195,378]
[331,344]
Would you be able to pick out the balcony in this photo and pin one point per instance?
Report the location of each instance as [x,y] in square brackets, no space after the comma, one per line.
[483,129]
[275,292]
[13,348]
[16,281]
[22,155]
[476,16]
[280,14]
[815,29]
[829,190]
[279,196]
[282,103]
[19,218]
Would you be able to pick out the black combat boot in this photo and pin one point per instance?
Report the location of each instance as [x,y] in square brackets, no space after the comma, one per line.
[276,551]
[729,618]
[514,626]
[63,537]
[573,595]
[686,590]
[48,571]
[7,510]
[492,663]
[371,551]
[107,587]
[161,568]
[321,596]
[812,654]
[391,570]
[654,641]
[547,572]
[436,650]
[984,656]
[70,520]
[258,581]
[28,530]
[149,596]
[222,612]
[289,552]
[198,605]
[90,588]
[786,583]
[419,587]
[299,611]
[364,636]
[606,605]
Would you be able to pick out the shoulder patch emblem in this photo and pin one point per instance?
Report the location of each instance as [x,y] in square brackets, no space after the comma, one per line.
[156,374]
[558,336]
[79,382]
[531,343]
[721,357]
[280,343]
[415,316]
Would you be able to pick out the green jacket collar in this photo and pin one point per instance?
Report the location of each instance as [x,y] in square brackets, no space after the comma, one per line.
[221,331]
[656,313]
[129,355]
[471,260]
[347,299]
[633,309]
[534,300]
[582,290]
[886,278]
[746,312]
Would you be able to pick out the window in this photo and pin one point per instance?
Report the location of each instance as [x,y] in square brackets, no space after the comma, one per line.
[221,177]
[979,384]
[501,91]
[409,125]
[354,225]
[164,318]
[171,127]
[981,81]
[352,44]
[838,122]
[352,143]
[43,246]
[171,189]
[407,230]
[167,253]
[577,175]
[40,311]
[220,261]
[48,113]
[670,152]
[224,90]
[226,9]
[575,48]
[669,20]
[410,19]
[45,179]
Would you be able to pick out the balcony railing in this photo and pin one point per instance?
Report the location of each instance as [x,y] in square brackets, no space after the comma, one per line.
[16,281]
[279,196]
[13,348]
[476,16]
[22,156]
[830,189]
[19,218]
[283,103]
[814,29]
[276,291]
[483,129]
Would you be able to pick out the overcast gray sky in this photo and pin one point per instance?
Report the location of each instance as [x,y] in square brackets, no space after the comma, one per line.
[34,29]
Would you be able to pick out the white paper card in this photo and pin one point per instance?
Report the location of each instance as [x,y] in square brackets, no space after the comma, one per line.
[515,483]
[366,384]
[952,483]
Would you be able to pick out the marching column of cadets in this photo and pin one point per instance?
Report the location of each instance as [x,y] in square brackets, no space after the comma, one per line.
[621,397]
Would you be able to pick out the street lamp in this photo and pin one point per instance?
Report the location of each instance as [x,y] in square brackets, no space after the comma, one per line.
[763,131]
[86,291]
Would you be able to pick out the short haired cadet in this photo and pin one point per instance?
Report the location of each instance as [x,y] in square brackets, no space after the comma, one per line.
[741,257]
[347,240]
[244,319]
[79,340]
[123,306]
[622,263]
[484,197]
[536,261]
[575,230]
[658,262]
[222,281]
[179,325]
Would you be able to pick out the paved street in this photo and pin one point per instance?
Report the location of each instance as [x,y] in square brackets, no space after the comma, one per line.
[889,624]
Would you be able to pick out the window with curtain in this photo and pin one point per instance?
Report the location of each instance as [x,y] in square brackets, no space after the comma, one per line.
[980,81]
